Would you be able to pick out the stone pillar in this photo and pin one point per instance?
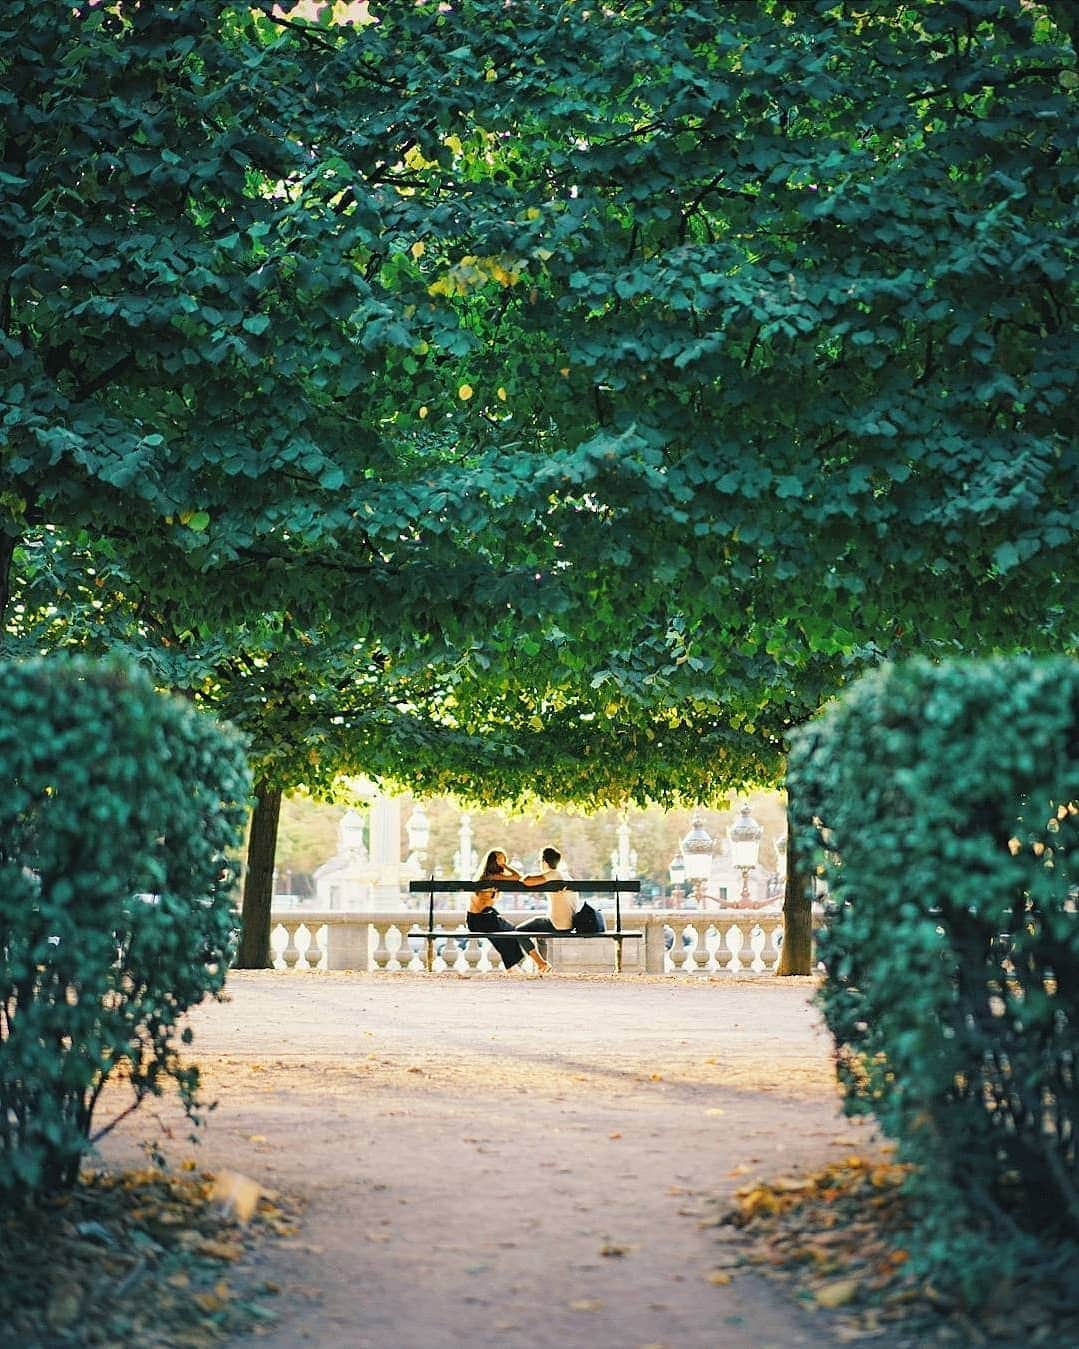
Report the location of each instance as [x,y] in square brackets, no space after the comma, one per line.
[349,944]
[654,946]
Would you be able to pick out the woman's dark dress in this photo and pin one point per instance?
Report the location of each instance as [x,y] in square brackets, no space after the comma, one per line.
[512,949]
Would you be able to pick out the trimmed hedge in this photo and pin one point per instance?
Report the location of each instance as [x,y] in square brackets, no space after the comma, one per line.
[118,807]
[940,802]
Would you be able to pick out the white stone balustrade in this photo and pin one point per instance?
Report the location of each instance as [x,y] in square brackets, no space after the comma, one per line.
[711,942]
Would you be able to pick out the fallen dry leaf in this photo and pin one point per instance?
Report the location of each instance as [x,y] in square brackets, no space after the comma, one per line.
[839,1293]
[220,1250]
[842,1236]
[236,1195]
[586,1304]
[141,1259]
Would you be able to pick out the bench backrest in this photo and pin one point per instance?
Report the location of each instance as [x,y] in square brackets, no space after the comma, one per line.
[433,887]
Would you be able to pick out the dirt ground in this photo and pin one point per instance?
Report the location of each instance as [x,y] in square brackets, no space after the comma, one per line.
[510,1161]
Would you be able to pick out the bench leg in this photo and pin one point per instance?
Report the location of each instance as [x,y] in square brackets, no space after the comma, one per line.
[618,955]
[430,959]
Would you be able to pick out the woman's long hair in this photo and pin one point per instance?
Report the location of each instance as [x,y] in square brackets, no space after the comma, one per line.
[491,867]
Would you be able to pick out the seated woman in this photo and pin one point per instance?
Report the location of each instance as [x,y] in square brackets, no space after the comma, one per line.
[483,917]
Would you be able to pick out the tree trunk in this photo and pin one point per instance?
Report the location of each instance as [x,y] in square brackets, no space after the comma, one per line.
[254,952]
[7,552]
[796,956]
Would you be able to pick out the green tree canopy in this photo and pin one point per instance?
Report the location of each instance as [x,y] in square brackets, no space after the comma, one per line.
[490,392]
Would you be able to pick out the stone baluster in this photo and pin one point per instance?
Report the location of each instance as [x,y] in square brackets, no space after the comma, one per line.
[451,953]
[668,954]
[473,953]
[735,942]
[673,955]
[718,946]
[774,946]
[398,947]
[278,943]
[412,958]
[381,957]
[304,938]
[682,948]
[695,955]
[315,951]
[291,954]
[707,946]
[757,939]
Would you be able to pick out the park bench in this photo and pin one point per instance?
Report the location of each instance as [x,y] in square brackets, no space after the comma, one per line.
[617,934]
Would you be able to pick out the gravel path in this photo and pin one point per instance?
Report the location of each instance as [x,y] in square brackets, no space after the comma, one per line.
[513,1162]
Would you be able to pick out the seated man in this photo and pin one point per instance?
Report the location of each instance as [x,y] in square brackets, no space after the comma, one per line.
[561,908]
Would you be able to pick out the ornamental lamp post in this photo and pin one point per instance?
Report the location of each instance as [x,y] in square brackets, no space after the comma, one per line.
[677,872]
[697,850]
[418,829]
[781,864]
[745,836]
